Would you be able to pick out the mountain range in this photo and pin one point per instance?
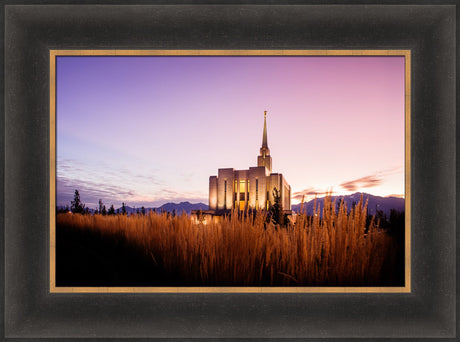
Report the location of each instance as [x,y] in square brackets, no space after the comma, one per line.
[384,204]
[375,203]
[170,207]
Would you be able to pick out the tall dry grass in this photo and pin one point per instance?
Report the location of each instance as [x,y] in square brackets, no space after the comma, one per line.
[333,247]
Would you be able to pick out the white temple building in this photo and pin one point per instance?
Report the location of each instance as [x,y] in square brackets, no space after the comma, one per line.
[251,188]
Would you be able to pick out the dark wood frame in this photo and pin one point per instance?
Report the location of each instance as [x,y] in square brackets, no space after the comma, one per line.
[30,31]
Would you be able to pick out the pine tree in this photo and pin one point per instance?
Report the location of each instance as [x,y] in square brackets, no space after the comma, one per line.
[200,216]
[76,206]
[275,213]
[111,210]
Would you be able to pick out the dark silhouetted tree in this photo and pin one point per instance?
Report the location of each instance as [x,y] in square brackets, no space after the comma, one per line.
[200,216]
[396,224]
[143,210]
[123,209]
[62,210]
[104,210]
[100,206]
[76,206]
[111,210]
[381,219]
[275,212]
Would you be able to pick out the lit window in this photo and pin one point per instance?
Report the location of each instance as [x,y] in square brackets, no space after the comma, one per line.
[242,185]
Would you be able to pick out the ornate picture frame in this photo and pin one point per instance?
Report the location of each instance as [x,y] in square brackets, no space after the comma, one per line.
[31,311]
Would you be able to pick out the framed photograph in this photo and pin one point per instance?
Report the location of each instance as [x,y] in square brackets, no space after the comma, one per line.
[233,171]
[251,231]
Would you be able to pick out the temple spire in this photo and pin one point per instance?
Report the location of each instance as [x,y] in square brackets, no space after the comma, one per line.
[264,159]
[264,150]
[264,138]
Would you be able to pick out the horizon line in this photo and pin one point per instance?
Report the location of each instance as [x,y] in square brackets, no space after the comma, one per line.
[312,197]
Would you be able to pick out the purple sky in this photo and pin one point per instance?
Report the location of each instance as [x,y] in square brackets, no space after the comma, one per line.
[151,130]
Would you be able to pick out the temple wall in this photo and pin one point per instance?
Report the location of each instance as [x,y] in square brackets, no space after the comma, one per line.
[286,194]
[257,187]
[225,180]
[248,186]
[213,192]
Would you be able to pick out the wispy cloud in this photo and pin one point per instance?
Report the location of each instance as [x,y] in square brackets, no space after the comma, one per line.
[369,181]
[91,192]
[396,195]
[363,182]
[114,185]
[96,180]
[73,168]
[308,193]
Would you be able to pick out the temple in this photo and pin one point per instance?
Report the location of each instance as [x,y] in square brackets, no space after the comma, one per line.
[249,189]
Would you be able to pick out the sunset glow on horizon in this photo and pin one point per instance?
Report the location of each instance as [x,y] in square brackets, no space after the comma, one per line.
[151,130]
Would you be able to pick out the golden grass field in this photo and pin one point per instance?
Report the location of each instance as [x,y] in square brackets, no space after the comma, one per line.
[332,249]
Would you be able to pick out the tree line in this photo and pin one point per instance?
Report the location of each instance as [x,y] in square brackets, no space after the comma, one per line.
[78,207]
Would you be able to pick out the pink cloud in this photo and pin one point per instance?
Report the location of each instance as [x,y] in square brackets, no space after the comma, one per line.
[306,193]
[370,180]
